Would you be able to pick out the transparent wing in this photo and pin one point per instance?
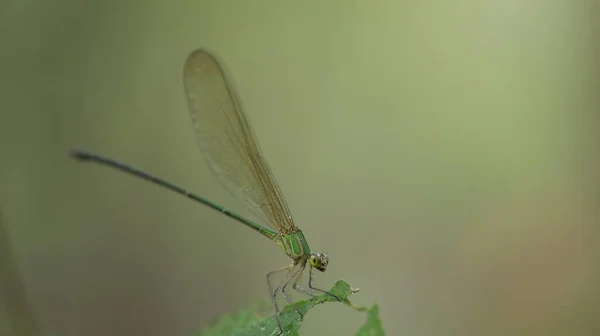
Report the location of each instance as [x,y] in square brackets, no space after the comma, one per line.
[228,142]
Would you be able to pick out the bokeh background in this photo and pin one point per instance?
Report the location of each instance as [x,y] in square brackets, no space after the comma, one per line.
[444,154]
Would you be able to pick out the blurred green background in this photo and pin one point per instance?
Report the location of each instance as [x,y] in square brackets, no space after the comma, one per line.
[444,154]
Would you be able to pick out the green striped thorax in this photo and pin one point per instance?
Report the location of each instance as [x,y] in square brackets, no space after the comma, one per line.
[295,246]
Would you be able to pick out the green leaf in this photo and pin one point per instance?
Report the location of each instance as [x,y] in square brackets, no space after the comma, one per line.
[248,322]
[373,325]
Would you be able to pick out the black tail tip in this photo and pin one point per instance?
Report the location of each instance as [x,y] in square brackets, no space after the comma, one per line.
[78,154]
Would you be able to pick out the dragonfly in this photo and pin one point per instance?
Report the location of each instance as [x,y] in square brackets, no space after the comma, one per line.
[231,151]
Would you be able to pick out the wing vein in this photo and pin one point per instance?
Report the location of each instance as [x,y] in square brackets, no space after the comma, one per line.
[228,143]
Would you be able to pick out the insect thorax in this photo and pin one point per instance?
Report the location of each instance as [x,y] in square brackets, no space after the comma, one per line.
[294,245]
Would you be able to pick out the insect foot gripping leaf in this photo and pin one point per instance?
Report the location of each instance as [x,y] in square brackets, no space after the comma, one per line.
[248,322]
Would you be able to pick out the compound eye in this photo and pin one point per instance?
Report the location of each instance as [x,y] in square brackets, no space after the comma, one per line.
[319,261]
